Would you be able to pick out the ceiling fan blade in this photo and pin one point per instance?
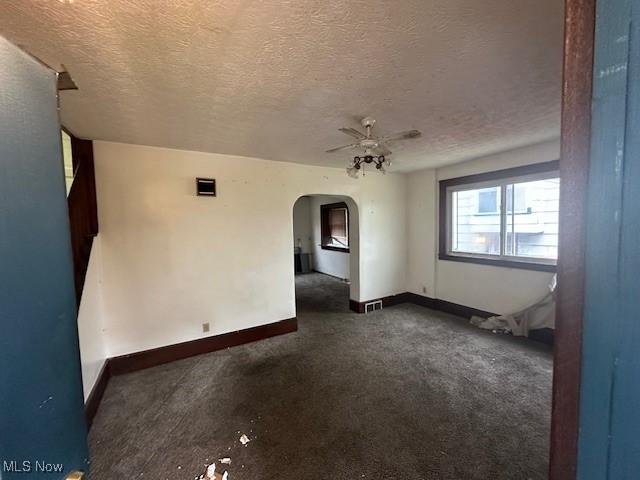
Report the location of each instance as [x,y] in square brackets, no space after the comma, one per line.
[345,147]
[353,133]
[383,150]
[402,135]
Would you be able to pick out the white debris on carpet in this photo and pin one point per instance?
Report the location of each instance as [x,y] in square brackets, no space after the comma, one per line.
[211,474]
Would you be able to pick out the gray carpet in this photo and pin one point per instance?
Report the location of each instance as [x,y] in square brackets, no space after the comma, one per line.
[404,393]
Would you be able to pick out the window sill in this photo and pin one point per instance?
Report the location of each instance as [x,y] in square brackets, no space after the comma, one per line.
[334,249]
[540,267]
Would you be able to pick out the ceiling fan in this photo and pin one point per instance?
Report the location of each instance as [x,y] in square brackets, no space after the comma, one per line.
[375,149]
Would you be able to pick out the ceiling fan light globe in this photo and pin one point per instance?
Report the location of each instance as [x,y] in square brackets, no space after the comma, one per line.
[352,172]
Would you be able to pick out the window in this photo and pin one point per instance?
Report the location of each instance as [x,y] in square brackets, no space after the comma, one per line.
[335,227]
[507,218]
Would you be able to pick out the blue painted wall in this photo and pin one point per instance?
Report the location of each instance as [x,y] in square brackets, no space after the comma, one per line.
[41,402]
[609,439]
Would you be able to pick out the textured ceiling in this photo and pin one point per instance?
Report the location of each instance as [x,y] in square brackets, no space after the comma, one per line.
[276,78]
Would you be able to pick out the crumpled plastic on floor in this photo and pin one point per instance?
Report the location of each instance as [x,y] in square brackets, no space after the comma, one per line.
[541,314]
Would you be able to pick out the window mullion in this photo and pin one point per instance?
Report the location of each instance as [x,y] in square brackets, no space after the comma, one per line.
[503,218]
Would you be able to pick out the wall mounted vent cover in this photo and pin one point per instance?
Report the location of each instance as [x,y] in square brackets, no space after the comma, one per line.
[206,187]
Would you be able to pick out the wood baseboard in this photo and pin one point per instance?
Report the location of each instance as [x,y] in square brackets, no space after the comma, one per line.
[461,310]
[158,356]
[433,303]
[388,301]
[544,335]
[97,392]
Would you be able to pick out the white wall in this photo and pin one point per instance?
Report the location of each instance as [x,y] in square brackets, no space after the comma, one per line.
[421,232]
[173,260]
[494,289]
[329,261]
[302,230]
[93,352]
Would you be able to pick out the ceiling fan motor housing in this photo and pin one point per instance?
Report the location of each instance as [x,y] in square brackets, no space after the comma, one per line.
[368,122]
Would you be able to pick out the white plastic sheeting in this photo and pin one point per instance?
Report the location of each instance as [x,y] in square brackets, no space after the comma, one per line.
[542,314]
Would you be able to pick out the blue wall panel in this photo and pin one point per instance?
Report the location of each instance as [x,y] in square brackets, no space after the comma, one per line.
[609,446]
[41,402]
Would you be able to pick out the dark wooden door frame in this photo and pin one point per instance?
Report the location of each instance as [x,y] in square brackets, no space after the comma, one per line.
[574,167]
[83,208]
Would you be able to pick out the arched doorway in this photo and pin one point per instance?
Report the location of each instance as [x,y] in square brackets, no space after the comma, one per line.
[326,245]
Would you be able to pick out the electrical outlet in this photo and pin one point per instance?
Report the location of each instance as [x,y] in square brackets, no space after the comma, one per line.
[205,327]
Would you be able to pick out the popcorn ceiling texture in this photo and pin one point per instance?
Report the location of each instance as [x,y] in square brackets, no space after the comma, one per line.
[275,79]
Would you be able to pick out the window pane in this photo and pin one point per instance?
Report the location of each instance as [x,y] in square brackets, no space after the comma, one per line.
[488,200]
[338,228]
[475,221]
[532,226]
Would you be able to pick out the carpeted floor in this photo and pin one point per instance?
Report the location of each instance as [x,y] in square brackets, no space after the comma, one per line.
[404,393]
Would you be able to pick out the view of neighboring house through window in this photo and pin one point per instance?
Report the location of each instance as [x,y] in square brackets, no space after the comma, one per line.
[513,219]
[68,160]
[532,222]
[335,226]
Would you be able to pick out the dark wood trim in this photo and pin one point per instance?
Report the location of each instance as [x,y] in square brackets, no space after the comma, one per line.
[158,356]
[334,249]
[83,209]
[447,307]
[356,306]
[544,335]
[97,392]
[388,301]
[574,167]
[422,300]
[442,220]
[428,302]
[324,226]
[538,267]
[542,167]
[461,310]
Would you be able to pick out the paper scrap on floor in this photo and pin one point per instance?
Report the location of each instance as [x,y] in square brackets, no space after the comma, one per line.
[211,474]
